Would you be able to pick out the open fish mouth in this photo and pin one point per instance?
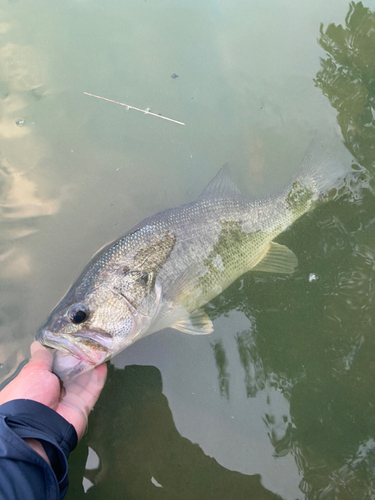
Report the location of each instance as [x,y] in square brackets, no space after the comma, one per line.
[76,354]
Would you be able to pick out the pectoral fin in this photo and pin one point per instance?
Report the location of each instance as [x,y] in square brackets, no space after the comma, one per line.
[278,259]
[197,323]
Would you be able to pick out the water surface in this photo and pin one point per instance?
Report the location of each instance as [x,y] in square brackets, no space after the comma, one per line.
[279,401]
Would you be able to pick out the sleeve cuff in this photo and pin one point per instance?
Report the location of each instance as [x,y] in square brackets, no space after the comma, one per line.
[30,419]
[24,418]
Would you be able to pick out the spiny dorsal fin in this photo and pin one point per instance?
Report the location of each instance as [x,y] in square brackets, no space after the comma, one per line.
[221,185]
[278,259]
[197,323]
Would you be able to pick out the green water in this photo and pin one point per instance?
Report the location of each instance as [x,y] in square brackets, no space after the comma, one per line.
[279,402]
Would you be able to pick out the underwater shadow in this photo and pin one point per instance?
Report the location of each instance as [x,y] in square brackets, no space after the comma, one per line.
[142,455]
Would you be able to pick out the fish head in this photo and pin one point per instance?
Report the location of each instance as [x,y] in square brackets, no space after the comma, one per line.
[88,331]
[111,305]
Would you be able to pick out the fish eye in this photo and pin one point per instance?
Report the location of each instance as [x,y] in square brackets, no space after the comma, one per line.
[77,313]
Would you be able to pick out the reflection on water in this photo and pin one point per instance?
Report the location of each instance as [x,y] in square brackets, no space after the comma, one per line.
[251,362]
[20,69]
[314,342]
[314,339]
[20,207]
[19,198]
[222,364]
[22,202]
[347,78]
[141,453]
[338,407]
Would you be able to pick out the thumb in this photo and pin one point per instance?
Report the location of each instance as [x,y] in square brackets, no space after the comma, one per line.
[40,356]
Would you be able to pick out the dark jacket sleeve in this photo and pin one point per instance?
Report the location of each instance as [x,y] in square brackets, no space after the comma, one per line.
[24,474]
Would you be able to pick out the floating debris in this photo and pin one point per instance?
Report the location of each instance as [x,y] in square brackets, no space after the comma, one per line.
[174,76]
[146,111]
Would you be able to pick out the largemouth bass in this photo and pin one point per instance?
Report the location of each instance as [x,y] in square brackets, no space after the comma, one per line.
[166,268]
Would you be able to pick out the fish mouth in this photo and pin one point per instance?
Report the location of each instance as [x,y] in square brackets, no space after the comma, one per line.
[76,354]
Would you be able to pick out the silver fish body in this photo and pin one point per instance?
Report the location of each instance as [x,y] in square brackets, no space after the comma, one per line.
[165,269]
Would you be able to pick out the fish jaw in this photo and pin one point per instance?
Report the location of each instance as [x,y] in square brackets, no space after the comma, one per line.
[68,367]
[75,355]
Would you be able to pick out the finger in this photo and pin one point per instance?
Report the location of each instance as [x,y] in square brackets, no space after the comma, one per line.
[100,374]
[95,385]
[79,400]
[41,355]
[89,388]
[97,380]
[93,379]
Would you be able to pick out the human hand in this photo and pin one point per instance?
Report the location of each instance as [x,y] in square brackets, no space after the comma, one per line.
[37,382]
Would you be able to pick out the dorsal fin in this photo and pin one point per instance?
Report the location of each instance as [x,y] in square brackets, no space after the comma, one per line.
[221,185]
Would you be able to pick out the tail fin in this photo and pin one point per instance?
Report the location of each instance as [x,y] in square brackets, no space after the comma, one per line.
[326,166]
